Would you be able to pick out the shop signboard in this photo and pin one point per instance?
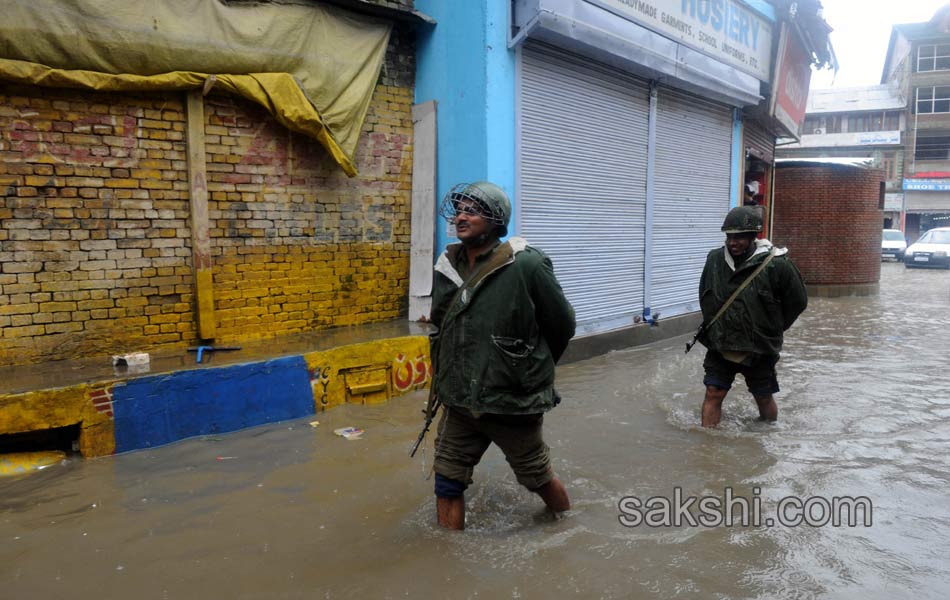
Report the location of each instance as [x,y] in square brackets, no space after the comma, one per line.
[927,185]
[879,138]
[792,78]
[726,30]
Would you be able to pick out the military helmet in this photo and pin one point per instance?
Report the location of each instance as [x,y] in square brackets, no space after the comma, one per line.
[492,201]
[742,219]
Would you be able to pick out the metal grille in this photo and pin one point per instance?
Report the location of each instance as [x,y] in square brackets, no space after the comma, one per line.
[582,196]
[691,195]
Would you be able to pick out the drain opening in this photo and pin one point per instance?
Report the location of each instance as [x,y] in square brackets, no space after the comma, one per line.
[65,439]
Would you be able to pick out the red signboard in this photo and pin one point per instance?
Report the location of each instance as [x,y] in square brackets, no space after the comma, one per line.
[791,81]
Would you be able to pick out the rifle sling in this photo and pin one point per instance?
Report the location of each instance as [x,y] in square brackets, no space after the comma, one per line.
[741,287]
[500,257]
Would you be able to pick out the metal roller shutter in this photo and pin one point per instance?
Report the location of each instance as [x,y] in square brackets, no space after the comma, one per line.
[691,195]
[758,140]
[582,181]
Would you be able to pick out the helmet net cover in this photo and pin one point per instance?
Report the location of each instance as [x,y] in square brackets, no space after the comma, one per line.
[742,219]
[467,192]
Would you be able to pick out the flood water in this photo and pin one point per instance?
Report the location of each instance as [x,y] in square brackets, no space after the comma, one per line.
[293,511]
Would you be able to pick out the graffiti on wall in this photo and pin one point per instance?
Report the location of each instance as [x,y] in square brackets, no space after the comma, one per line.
[319,380]
[409,373]
[108,137]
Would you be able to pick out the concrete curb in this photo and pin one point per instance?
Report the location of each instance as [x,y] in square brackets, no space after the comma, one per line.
[119,415]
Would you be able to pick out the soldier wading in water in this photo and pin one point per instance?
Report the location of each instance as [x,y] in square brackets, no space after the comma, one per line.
[750,293]
[503,324]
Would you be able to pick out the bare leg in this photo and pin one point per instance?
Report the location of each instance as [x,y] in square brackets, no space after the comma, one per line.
[555,496]
[768,409]
[451,512]
[712,405]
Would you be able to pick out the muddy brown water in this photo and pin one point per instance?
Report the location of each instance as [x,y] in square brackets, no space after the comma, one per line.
[293,511]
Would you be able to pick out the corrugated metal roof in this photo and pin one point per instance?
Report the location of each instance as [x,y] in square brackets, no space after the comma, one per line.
[866,97]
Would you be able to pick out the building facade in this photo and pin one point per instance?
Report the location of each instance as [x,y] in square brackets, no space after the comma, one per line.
[621,130]
[864,124]
[918,64]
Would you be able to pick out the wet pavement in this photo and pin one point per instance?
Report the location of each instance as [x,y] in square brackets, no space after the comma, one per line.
[64,373]
[293,511]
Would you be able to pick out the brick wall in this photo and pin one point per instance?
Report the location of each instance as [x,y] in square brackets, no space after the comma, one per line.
[94,221]
[829,218]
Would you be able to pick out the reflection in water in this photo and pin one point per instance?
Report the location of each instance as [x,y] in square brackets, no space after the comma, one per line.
[291,511]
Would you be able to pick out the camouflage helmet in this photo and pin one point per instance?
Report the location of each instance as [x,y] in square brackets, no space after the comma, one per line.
[491,199]
[742,219]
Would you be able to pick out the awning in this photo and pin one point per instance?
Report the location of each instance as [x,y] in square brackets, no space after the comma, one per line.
[313,67]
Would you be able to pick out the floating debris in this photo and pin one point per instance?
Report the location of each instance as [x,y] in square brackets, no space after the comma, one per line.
[350,433]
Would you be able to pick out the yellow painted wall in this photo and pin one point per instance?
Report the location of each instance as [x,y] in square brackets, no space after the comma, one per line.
[369,373]
[90,406]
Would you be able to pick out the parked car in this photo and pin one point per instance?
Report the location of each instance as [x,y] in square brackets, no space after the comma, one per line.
[931,250]
[893,244]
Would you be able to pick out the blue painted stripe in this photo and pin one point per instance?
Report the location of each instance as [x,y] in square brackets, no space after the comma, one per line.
[158,410]
[738,158]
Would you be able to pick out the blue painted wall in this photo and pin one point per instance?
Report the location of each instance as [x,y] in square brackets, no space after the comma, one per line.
[463,63]
[738,160]
[158,410]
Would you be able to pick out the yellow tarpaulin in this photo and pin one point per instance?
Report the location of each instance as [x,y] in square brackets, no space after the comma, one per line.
[313,67]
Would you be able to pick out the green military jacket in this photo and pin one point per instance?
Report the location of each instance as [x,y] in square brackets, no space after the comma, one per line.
[757,319]
[499,339]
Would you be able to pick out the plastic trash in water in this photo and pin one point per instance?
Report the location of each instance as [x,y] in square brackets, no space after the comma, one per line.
[135,362]
[314,424]
[134,359]
[350,433]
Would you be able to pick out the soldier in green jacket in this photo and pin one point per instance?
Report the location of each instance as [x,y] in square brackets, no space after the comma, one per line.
[747,337]
[503,324]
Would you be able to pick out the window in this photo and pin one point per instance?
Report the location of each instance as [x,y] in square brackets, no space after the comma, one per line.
[833,123]
[935,237]
[812,124]
[932,147]
[892,120]
[858,123]
[933,58]
[822,123]
[933,99]
[888,120]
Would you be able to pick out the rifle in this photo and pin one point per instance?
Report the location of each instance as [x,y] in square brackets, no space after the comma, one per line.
[500,257]
[699,332]
[432,407]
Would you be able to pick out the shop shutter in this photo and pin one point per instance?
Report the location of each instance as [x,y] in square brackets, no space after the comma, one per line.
[691,196]
[759,141]
[582,181]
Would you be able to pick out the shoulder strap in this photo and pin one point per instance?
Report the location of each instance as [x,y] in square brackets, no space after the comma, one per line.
[741,287]
[501,256]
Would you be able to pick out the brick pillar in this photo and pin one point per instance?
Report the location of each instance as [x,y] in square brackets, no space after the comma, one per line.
[829,216]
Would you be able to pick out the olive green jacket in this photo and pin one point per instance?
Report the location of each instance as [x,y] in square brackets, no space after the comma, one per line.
[757,319]
[499,339]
